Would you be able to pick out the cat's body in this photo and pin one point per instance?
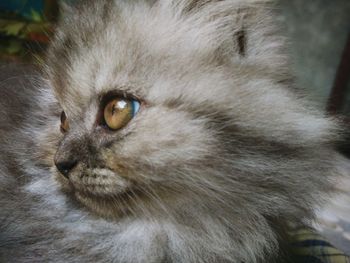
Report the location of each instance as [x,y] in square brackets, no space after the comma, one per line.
[221,155]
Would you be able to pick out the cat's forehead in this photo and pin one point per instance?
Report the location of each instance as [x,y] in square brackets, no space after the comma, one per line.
[128,51]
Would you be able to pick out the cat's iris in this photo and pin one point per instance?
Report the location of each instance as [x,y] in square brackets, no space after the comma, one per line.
[119,111]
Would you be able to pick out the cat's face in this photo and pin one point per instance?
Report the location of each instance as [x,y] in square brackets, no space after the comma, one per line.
[165,145]
[167,105]
[122,142]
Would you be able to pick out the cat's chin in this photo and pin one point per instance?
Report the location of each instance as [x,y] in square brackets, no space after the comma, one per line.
[117,206]
[95,182]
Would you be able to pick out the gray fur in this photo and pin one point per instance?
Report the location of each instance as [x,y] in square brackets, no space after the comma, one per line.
[223,153]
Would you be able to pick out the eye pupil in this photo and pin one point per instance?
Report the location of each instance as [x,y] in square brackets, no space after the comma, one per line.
[119,111]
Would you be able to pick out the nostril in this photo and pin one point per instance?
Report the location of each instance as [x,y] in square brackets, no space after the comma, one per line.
[66,166]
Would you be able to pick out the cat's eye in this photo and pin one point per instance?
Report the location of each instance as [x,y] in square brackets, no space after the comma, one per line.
[119,111]
[64,123]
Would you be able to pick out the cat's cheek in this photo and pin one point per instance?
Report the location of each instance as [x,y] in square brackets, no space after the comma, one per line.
[165,136]
[118,164]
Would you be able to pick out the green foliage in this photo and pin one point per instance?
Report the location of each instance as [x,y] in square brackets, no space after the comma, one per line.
[11,29]
[36,16]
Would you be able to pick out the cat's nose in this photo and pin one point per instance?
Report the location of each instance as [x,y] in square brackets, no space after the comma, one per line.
[65,166]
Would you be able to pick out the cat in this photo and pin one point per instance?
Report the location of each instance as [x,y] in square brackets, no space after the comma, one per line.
[161,131]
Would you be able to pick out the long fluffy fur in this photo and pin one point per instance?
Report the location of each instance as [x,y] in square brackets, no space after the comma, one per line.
[226,152]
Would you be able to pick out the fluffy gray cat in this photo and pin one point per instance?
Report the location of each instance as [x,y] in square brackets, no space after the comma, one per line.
[162,131]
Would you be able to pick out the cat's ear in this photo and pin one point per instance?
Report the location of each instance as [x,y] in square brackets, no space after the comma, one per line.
[190,5]
[240,29]
[241,20]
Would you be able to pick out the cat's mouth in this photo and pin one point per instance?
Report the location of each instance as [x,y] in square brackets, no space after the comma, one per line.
[103,191]
[99,182]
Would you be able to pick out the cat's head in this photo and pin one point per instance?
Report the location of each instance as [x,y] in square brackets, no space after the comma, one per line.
[182,105]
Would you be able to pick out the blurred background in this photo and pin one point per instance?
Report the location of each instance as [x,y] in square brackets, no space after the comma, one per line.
[319,46]
[318,31]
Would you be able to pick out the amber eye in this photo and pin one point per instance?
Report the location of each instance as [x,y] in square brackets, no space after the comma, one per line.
[119,111]
[64,123]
